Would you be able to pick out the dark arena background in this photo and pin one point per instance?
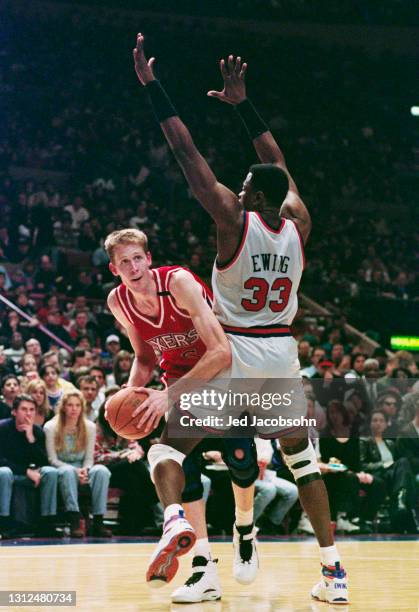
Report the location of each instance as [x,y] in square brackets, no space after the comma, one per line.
[81,155]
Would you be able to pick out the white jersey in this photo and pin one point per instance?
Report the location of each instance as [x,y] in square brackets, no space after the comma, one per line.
[258,287]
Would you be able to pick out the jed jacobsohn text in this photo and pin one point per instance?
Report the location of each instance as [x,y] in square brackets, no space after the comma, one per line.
[245,420]
[218,400]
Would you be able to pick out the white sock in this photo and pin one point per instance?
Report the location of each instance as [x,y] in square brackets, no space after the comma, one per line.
[329,555]
[244,517]
[202,548]
[173,509]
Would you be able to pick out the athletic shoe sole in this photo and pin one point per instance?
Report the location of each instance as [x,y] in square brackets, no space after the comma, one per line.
[164,567]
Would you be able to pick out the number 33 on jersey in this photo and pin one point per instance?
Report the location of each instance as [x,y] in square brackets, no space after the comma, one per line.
[258,287]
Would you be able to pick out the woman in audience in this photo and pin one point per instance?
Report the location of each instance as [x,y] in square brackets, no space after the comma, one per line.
[70,440]
[38,391]
[121,367]
[124,460]
[56,387]
[378,458]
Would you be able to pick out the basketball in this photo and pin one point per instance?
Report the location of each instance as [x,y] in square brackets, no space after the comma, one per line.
[119,411]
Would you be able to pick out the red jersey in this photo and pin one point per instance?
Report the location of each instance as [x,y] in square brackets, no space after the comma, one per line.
[171,335]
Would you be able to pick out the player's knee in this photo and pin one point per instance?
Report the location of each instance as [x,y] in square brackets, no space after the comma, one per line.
[242,463]
[163,452]
[303,465]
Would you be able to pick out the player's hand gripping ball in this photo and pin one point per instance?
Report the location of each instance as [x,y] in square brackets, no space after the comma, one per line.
[119,409]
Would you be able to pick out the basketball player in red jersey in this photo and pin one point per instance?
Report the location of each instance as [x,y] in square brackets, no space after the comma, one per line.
[167,314]
[260,238]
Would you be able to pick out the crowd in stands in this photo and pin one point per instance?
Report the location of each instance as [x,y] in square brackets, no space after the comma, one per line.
[366,410]
[80,130]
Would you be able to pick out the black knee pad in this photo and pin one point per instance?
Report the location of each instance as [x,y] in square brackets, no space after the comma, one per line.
[193,490]
[243,471]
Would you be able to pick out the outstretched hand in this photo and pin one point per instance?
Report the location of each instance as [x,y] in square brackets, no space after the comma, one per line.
[143,68]
[233,73]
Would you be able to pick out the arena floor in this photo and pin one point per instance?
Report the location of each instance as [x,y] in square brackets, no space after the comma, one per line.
[384,575]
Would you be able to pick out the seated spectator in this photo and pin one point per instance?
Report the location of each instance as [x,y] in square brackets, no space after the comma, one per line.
[304,353]
[121,368]
[45,276]
[274,496]
[129,472]
[11,325]
[343,487]
[15,351]
[407,444]
[56,387]
[357,367]
[78,212]
[6,365]
[317,356]
[23,461]
[327,383]
[389,402]
[378,458]
[33,346]
[82,328]
[10,389]
[29,370]
[70,439]
[80,359]
[99,374]
[89,387]
[55,325]
[38,391]
[50,303]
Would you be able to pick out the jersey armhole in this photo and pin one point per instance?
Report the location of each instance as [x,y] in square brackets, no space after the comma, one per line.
[223,266]
[301,243]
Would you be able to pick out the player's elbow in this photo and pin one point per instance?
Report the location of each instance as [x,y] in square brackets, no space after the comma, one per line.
[223,356]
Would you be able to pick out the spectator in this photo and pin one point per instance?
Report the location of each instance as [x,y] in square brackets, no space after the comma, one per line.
[89,387]
[346,451]
[23,461]
[38,391]
[6,365]
[10,389]
[121,368]
[407,444]
[378,459]
[70,445]
[78,212]
[28,369]
[33,346]
[304,353]
[56,386]
[82,328]
[357,367]
[317,356]
[45,276]
[16,351]
[81,359]
[389,403]
[274,496]
[124,460]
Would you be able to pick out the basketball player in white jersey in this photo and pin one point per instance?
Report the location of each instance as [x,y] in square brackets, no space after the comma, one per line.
[260,237]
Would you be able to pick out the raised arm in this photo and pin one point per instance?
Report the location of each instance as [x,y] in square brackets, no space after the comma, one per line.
[233,72]
[221,203]
[145,359]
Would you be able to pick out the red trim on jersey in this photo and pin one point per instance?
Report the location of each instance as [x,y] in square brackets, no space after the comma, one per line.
[301,243]
[260,331]
[156,322]
[230,263]
[122,305]
[268,227]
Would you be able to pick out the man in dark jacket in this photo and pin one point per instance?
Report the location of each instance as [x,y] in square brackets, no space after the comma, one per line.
[23,461]
[408,444]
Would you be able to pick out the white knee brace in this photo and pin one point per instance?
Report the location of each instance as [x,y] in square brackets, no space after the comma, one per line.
[303,465]
[161,452]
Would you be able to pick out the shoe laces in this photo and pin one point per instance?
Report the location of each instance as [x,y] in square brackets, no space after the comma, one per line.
[333,571]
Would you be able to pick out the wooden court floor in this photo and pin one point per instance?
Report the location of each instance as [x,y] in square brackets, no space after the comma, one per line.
[110,577]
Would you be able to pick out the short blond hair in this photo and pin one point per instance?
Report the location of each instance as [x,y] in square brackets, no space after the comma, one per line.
[125,236]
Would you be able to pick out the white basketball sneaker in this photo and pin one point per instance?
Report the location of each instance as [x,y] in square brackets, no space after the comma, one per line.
[333,586]
[203,585]
[246,561]
[178,538]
